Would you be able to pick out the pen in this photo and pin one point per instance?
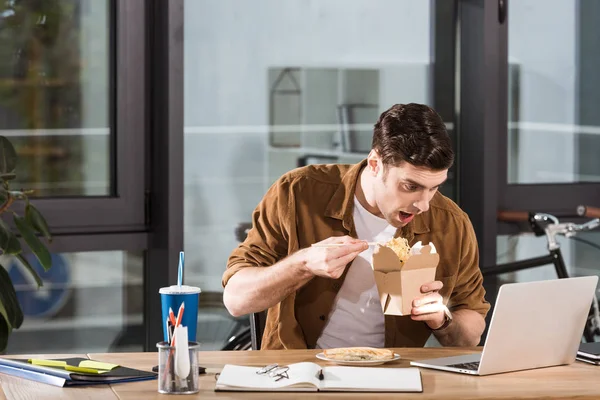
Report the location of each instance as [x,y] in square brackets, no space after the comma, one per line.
[168,330]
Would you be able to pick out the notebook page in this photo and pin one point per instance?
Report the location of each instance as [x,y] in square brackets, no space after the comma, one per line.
[372,379]
[238,377]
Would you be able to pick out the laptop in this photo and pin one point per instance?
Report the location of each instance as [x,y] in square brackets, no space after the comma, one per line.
[534,325]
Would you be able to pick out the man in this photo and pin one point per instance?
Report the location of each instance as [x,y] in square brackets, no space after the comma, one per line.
[325,297]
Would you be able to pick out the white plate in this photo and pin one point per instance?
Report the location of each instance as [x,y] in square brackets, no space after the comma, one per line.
[365,363]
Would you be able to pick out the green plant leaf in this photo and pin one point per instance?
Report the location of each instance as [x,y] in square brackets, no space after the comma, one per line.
[5,327]
[34,243]
[5,330]
[29,268]
[8,156]
[3,196]
[9,304]
[8,240]
[37,221]
[3,312]
[8,177]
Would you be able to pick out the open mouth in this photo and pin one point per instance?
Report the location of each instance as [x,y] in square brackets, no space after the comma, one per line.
[405,217]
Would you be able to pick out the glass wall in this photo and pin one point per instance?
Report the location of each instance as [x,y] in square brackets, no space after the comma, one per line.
[55,66]
[62,63]
[90,302]
[553,123]
[271,86]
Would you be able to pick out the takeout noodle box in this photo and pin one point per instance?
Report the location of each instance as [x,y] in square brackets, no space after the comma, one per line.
[399,284]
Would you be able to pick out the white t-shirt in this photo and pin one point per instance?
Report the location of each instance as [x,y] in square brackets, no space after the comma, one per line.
[356,318]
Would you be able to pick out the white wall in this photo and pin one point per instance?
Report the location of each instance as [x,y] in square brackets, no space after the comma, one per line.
[229,47]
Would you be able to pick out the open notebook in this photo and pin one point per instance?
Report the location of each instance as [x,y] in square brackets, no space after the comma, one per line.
[304,377]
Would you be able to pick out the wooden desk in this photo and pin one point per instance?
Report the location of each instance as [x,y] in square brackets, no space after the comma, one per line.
[578,380]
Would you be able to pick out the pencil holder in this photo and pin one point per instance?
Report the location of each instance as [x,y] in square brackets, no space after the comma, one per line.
[174,378]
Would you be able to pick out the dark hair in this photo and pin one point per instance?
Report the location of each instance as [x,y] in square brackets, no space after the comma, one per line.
[413,133]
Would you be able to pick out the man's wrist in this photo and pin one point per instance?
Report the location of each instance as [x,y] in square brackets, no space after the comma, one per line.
[447,321]
[299,263]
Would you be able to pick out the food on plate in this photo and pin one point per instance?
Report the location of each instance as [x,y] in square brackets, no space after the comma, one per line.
[401,247]
[358,354]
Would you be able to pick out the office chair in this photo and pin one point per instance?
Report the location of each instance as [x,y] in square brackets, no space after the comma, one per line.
[257,327]
[239,337]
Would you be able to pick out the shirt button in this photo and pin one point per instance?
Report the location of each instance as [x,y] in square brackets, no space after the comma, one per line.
[322,318]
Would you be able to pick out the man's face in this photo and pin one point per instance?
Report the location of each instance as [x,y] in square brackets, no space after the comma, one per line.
[401,192]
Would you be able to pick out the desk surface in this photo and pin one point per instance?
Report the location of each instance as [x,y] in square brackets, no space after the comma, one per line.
[578,380]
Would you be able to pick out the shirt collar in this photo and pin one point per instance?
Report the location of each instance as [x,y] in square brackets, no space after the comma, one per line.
[341,204]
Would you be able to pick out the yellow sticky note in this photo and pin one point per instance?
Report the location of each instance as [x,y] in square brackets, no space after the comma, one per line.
[97,365]
[48,363]
[63,364]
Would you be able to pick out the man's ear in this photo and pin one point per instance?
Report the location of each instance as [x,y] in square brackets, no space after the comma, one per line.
[373,162]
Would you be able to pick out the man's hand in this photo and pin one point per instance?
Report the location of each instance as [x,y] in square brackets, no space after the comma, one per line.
[255,289]
[430,306]
[330,262]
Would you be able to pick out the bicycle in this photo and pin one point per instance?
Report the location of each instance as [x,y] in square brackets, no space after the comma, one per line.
[549,225]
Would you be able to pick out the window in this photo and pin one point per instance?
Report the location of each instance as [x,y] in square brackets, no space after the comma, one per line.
[72,103]
[90,302]
[73,96]
[553,124]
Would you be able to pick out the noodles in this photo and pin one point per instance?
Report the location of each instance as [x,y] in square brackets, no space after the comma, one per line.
[401,247]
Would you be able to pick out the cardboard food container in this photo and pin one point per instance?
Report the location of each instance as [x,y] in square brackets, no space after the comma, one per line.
[399,284]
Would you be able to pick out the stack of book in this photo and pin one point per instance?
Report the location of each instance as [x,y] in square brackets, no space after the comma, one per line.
[71,371]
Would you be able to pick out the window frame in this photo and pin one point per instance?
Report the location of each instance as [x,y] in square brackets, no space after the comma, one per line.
[552,197]
[165,22]
[124,210]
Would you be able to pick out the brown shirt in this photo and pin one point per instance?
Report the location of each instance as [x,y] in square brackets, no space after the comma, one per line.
[312,203]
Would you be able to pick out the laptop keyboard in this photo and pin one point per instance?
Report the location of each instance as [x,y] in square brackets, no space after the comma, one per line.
[473,366]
